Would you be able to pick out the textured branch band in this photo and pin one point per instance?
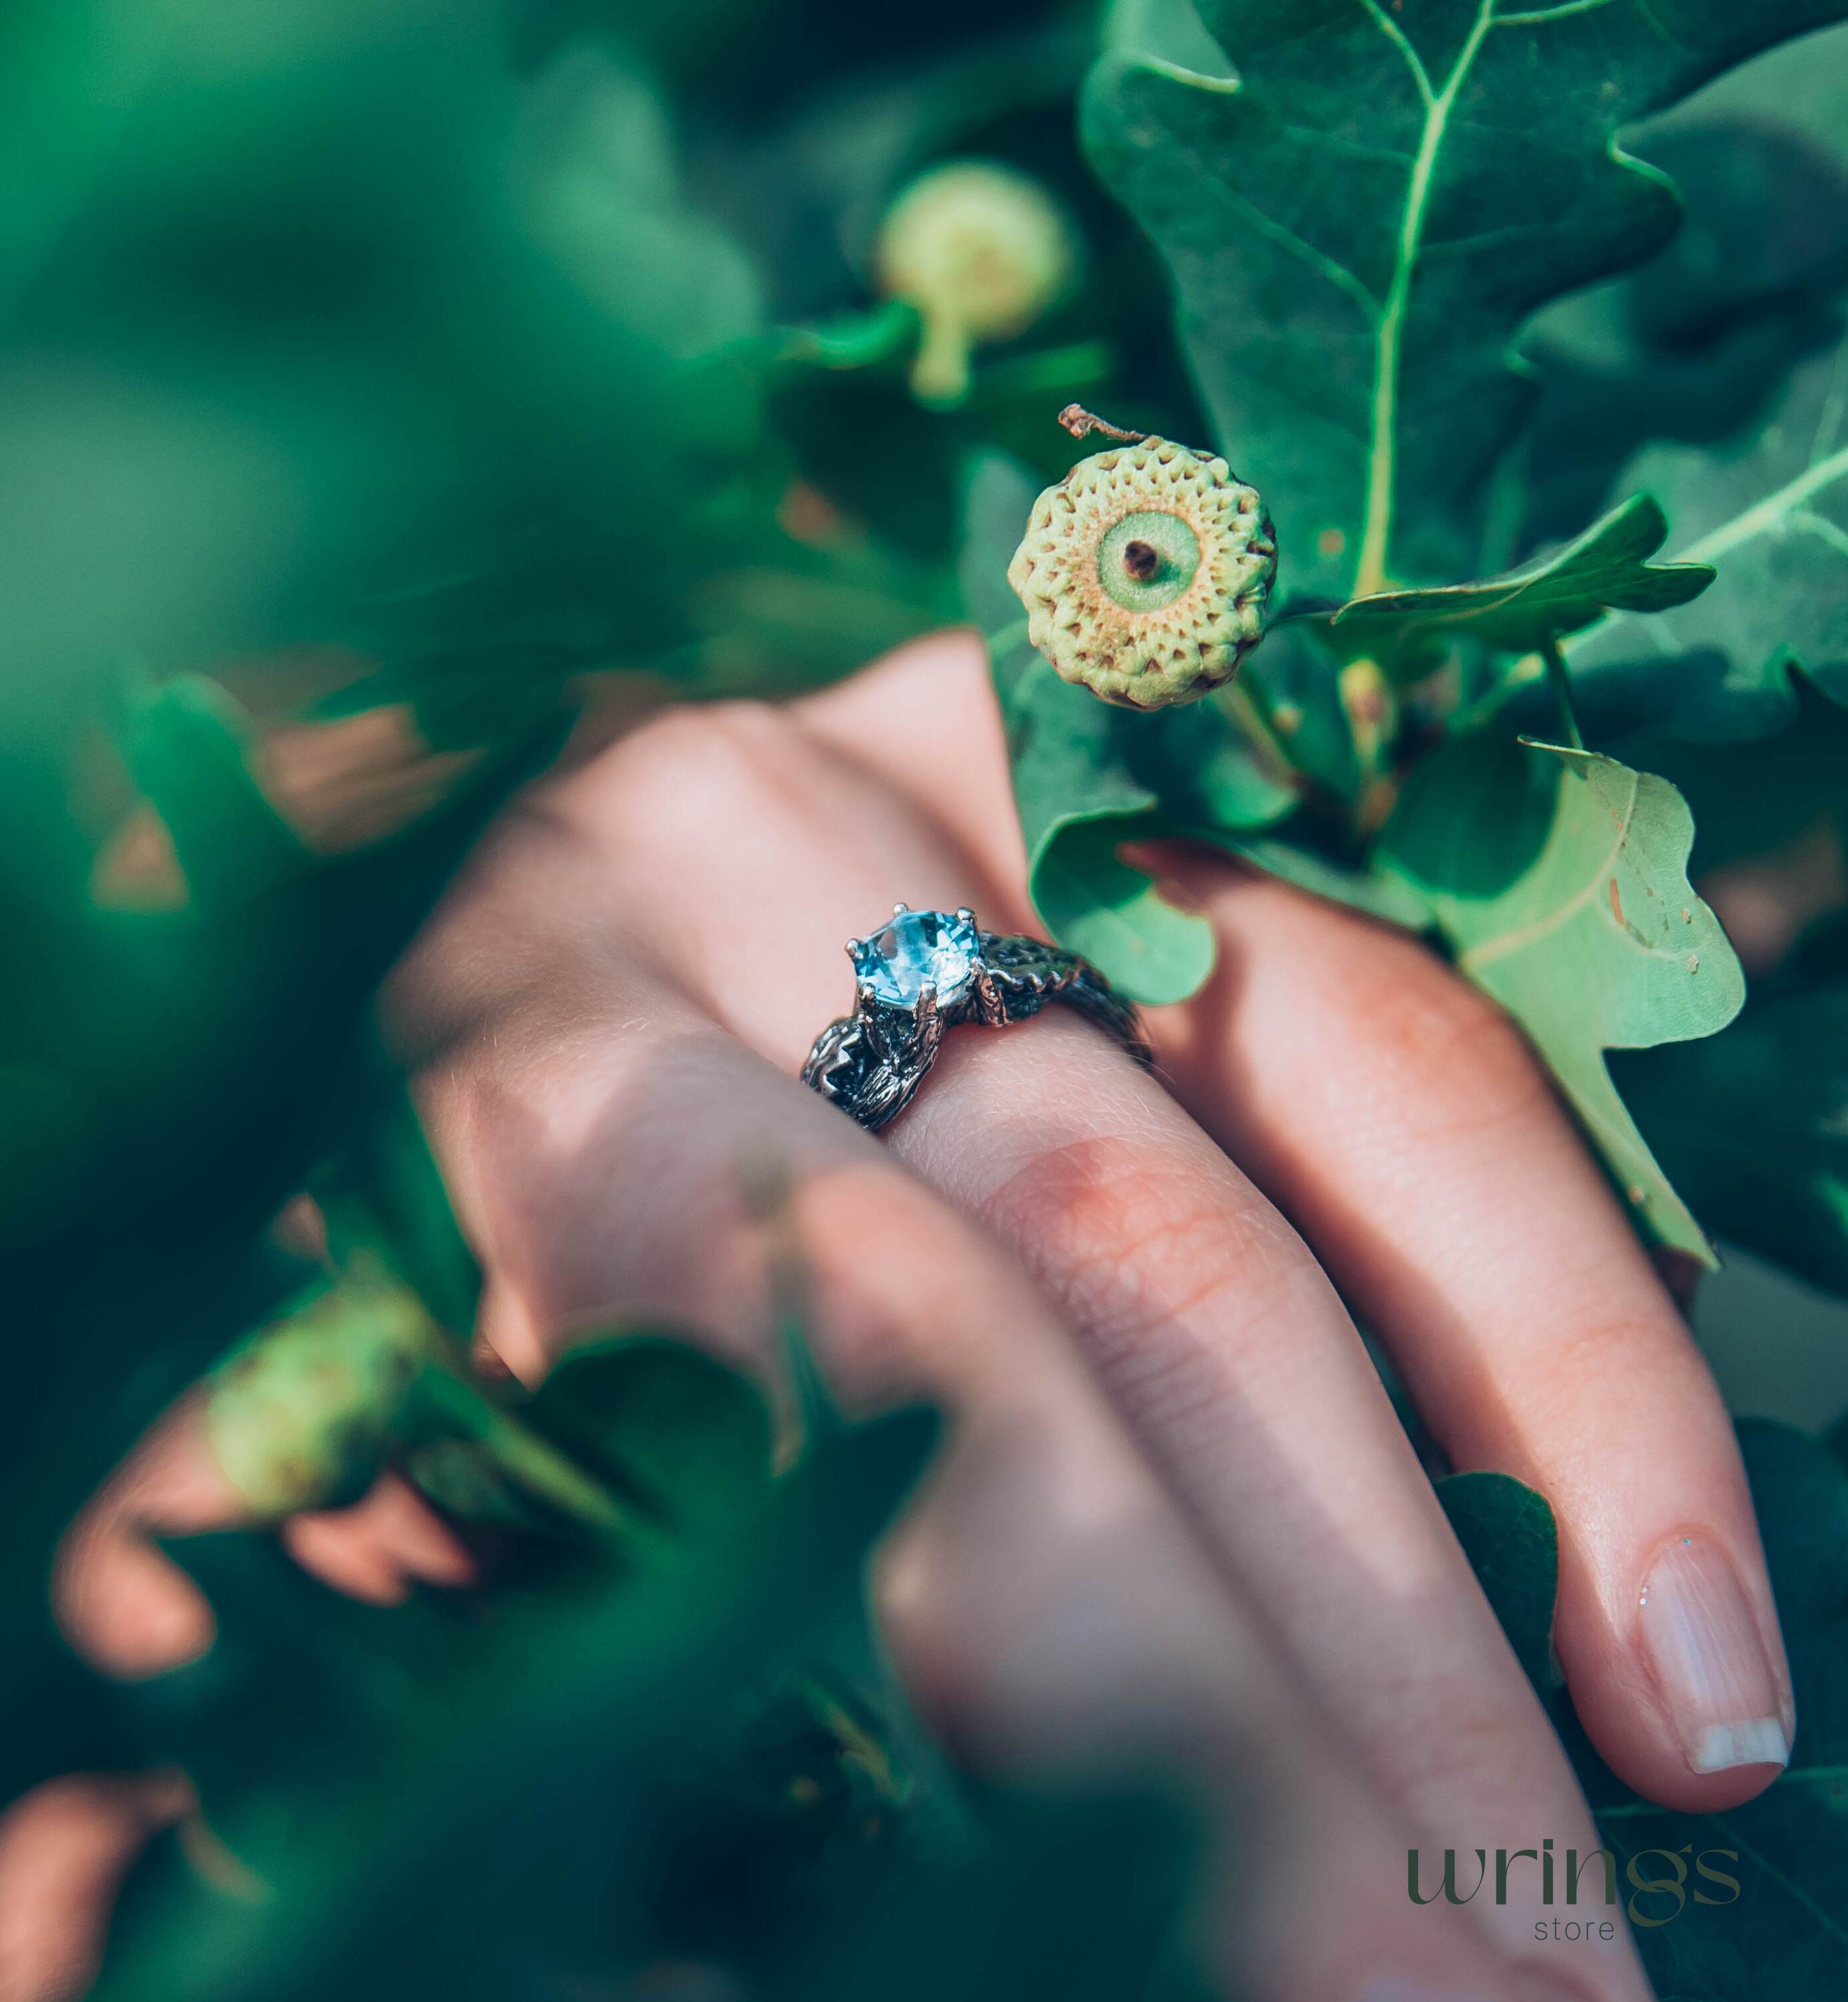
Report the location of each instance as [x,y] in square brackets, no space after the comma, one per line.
[927,971]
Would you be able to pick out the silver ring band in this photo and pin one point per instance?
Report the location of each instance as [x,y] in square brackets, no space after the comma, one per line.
[925,972]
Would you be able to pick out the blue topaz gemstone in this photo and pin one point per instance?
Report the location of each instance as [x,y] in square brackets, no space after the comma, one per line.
[915,946]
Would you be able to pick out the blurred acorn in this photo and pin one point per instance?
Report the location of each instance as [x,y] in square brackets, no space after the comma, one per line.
[302,1415]
[982,251]
[1144,572]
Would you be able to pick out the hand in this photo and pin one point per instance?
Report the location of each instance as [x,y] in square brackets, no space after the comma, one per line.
[608,1014]
[1178,1505]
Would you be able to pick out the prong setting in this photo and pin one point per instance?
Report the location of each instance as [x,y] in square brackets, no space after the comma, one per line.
[921,973]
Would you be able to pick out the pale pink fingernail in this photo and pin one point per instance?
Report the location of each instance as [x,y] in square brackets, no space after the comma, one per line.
[1711,1666]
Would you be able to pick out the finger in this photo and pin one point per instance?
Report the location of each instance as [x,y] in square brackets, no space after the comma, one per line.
[122,1604]
[1205,1317]
[131,1610]
[64,1850]
[382,1545]
[1043,1598]
[1400,1117]
[1030,1662]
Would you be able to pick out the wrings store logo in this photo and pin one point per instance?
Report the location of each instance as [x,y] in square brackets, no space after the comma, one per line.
[1656,1897]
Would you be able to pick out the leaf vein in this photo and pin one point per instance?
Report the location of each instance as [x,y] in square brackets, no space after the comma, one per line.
[1280,233]
[1525,935]
[1769,511]
[1538,16]
[1402,42]
[1783,1877]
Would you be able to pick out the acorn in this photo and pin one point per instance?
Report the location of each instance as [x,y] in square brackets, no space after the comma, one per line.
[1145,572]
[302,1413]
[982,251]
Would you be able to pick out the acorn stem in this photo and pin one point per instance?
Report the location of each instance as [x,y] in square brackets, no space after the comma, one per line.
[1247,714]
[940,370]
[1081,423]
[1561,684]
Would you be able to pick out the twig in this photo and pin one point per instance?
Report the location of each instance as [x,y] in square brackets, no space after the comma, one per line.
[1562,692]
[1081,423]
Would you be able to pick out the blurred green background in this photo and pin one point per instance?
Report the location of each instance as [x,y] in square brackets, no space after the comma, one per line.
[381,382]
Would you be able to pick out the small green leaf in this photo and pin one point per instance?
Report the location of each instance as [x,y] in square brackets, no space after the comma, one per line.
[188,745]
[1507,1534]
[855,340]
[1379,895]
[1559,879]
[386,1191]
[1098,904]
[596,167]
[682,1439]
[1405,631]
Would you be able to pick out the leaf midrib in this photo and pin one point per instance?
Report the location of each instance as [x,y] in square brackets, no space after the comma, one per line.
[1370,573]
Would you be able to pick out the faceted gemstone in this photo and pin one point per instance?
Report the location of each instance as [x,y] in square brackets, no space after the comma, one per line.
[915,946]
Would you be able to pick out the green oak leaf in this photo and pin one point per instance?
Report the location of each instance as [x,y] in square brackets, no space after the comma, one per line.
[1694,345]
[1361,221]
[682,1440]
[1768,509]
[1406,631]
[359,1766]
[1088,778]
[190,748]
[1507,1534]
[1559,880]
[1752,1124]
[1381,896]
[385,1192]
[595,169]
[1786,1933]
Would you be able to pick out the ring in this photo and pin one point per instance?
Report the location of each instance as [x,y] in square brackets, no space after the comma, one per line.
[924,972]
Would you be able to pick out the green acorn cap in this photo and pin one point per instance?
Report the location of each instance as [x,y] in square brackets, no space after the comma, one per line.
[1144,574]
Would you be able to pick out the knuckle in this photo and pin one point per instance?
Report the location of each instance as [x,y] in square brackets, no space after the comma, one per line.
[1130,1240]
[1481,1734]
[1449,1057]
[693,775]
[1586,1361]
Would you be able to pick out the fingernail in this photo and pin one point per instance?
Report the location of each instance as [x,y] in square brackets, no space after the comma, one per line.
[1710,1664]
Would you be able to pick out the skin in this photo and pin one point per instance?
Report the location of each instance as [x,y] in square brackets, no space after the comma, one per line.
[1178,1514]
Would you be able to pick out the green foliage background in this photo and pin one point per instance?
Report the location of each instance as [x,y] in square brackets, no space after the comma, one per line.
[378,383]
